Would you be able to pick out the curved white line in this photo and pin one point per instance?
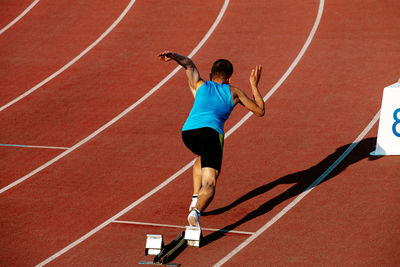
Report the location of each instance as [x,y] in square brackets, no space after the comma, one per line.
[289,70]
[19,17]
[122,114]
[293,203]
[187,166]
[104,224]
[302,195]
[69,64]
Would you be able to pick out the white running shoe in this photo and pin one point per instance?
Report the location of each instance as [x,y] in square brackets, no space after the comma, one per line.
[194,218]
[193,203]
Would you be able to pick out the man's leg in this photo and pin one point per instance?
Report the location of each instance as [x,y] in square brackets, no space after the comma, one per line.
[196,182]
[206,194]
[208,181]
[197,176]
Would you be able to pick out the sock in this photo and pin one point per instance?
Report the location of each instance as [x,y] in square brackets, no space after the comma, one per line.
[194,202]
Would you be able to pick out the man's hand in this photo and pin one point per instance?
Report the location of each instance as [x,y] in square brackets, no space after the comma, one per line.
[255,76]
[255,104]
[191,71]
[166,56]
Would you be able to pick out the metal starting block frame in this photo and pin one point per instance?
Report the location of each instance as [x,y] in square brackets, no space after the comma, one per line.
[154,244]
[153,263]
[193,236]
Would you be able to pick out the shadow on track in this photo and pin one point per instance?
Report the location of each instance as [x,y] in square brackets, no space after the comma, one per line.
[301,180]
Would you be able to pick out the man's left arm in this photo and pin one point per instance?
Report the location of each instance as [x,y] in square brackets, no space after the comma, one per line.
[255,105]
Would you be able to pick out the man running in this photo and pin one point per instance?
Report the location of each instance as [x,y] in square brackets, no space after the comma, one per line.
[203,131]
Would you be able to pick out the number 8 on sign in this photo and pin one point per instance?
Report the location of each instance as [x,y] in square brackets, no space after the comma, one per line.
[396,122]
[388,139]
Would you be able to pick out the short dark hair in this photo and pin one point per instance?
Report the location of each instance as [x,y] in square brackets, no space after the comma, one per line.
[222,68]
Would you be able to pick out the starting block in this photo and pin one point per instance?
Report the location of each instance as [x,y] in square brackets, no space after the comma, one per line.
[170,251]
[154,244]
[193,236]
[166,253]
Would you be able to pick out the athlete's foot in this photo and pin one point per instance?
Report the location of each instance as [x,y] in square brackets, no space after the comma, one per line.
[193,203]
[194,218]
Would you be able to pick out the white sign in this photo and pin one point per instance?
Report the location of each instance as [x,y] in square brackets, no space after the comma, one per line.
[388,141]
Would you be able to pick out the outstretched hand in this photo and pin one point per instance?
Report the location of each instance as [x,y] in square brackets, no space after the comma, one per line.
[165,56]
[255,76]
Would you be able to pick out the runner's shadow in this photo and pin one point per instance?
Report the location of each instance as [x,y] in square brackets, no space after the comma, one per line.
[301,180]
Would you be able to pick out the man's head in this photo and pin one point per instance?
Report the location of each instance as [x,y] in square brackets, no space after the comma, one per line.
[221,69]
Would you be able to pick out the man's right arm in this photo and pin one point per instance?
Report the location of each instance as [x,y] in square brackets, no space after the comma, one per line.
[192,73]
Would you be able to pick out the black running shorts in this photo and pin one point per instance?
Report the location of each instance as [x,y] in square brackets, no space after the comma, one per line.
[206,143]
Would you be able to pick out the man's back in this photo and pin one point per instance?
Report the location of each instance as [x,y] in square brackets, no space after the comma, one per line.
[212,106]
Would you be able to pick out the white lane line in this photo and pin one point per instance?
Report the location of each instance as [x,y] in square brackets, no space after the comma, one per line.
[29,146]
[301,196]
[69,64]
[163,184]
[126,111]
[19,17]
[183,227]
[115,217]
[289,70]
[141,199]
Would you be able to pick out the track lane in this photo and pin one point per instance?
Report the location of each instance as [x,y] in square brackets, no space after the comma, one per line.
[302,159]
[305,154]
[351,212]
[8,12]
[78,103]
[145,164]
[346,221]
[163,37]
[17,160]
[11,9]
[48,37]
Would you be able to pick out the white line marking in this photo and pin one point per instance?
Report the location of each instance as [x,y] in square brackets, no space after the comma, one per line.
[69,64]
[154,190]
[19,17]
[301,196]
[289,70]
[140,200]
[29,146]
[183,227]
[122,114]
[122,212]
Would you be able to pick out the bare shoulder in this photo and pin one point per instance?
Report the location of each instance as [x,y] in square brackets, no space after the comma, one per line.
[196,87]
[198,84]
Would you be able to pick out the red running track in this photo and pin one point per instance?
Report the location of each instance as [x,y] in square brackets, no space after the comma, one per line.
[350,219]
[47,37]
[11,10]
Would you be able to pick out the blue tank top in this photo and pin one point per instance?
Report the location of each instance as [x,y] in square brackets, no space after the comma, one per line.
[212,107]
